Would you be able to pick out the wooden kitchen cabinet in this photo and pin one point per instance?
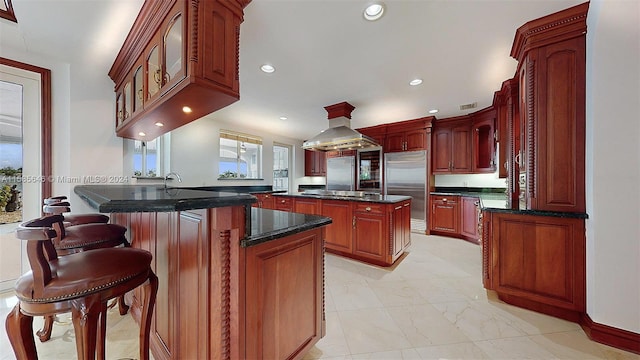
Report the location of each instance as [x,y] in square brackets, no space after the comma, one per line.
[401,226]
[483,141]
[178,53]
[451,151]
[469,212]
[315,163]
[307,206]
[369,230]
[551,71]
[377,133]
[444,218]
[537,262]
[283,203]
[455,216]
[339,232]
[265,201]
[408,135]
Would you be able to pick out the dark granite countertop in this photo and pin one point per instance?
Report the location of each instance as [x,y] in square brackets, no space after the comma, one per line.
[539,213]
[269,225]
[154,198]
[489,197]
[375,198]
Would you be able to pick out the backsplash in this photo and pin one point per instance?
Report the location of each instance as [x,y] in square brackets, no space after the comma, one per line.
[470,180]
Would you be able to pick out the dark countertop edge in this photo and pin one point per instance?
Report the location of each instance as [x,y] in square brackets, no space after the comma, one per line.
[105,205]
[561,214]
[317,221]
[469,190]
[397,198]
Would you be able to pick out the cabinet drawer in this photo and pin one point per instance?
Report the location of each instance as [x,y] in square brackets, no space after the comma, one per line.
[369,208]
[283,201]
[445,199]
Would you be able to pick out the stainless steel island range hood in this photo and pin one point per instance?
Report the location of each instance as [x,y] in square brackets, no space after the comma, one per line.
[339,135]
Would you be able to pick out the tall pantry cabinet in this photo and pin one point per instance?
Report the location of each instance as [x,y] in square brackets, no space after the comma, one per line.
[534,252]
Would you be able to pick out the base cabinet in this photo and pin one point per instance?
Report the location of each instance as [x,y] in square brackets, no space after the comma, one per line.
[455,216]
[218,300]
[536,262]
[339,232]
[376,233]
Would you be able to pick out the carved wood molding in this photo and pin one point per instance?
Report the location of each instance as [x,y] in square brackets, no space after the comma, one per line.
[6,12]
[225,300]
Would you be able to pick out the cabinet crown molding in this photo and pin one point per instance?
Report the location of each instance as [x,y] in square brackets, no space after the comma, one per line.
[559,26]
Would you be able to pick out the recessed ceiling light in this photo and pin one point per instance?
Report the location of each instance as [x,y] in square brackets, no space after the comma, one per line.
[415,82]
[374,11]
[267,68]
[186,110]
[283,118]
[142,134]
[433,111]
[159,124]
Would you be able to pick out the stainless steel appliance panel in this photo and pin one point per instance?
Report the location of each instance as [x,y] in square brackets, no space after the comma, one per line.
[341,173]
[406,174]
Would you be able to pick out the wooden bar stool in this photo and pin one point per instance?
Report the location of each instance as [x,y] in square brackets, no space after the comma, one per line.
[59,205]
[81,283]
[81,237]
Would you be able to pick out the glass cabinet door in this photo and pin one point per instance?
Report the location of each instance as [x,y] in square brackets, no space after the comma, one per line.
[173,50]
[154,73]
[128,97]
[137,90]
[119,109]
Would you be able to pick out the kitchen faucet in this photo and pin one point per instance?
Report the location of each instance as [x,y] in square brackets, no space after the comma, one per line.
[168,176]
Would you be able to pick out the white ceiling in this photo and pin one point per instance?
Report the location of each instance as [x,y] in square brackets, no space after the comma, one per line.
[324,53]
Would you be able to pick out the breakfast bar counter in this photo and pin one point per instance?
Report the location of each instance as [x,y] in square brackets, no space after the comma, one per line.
[234,281]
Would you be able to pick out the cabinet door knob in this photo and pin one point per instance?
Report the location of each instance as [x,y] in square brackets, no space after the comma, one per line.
[282,201]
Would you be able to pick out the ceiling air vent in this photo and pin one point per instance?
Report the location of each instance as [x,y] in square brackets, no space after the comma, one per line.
[468,106]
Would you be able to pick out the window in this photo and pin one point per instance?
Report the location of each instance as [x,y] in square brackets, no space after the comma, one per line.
[240,156]
[147,158]
[281,166]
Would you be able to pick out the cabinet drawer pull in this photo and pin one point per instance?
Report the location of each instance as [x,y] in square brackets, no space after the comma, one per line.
[444,199]
[367,208]
[282,201]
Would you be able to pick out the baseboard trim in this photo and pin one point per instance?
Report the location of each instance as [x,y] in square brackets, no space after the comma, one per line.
[604,334]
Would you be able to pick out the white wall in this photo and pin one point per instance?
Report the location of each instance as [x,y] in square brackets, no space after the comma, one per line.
[195,153]
[83,137]
[613,163]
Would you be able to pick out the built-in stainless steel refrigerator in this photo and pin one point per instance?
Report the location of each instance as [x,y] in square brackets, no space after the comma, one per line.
[405,173]
[341,173]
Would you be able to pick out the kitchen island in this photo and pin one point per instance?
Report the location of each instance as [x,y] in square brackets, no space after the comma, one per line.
[234,281]
[368,227]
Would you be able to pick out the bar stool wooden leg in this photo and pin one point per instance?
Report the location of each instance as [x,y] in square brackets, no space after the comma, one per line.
[19,329]
[44,334]
[149,290]
[122,306]
[85,314]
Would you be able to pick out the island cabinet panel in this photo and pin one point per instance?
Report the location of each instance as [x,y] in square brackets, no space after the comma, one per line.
[307,206]
[339,232]
[218,300]
[283,203]
[538,262]
[370,232]
[286,315]
[265,201]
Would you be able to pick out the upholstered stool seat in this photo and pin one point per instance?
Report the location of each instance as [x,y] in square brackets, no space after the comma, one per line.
[61,207]
[81,283]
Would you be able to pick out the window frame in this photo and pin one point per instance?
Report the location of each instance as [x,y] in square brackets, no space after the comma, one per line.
[240,139]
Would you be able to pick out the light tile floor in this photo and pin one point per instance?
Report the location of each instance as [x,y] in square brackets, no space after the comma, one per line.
[430,306]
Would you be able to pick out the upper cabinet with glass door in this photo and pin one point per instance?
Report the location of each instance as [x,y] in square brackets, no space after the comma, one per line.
[178,63]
